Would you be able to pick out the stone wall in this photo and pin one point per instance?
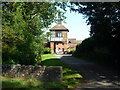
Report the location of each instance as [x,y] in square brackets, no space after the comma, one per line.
[47,74]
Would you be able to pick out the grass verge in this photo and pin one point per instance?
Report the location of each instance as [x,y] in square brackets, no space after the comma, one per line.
[70,78]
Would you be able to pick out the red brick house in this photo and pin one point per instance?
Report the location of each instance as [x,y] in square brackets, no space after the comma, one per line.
[72,42]
[59,41]
[59,38]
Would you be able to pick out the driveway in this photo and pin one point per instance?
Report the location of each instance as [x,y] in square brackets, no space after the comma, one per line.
[94,75]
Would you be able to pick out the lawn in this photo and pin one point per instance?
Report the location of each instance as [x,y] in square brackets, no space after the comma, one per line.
[51,60]
[70,77]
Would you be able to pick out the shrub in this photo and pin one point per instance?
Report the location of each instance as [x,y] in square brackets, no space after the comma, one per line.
[90,50]
[47,50]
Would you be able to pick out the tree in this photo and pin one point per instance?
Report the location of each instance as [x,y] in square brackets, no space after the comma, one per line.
[106,14]
[104,19]
[22,34]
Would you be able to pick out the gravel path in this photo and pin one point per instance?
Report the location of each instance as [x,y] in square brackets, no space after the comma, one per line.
[94,75]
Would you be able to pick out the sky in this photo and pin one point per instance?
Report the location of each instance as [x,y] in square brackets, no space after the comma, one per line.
[76,24]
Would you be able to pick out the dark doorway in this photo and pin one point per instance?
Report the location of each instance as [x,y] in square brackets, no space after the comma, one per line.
[55,47]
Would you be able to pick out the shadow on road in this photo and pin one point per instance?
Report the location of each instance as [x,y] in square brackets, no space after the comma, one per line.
[94,75]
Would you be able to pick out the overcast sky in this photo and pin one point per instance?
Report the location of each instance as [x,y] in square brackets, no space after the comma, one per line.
[77,26]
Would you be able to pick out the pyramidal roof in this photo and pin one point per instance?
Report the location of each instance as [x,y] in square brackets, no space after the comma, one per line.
[59,27]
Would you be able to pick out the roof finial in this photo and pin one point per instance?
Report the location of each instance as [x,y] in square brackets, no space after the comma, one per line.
[59,21]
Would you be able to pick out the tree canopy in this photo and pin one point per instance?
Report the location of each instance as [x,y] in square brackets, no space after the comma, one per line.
[104,19]
[23,26]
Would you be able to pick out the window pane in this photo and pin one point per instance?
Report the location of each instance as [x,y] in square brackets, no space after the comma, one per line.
[58,34]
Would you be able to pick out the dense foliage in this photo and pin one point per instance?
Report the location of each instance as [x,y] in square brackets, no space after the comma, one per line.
[104,19]
[23,26]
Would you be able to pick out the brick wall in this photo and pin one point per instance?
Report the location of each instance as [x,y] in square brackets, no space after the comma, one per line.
[61,46]
[52,47]
[65,36]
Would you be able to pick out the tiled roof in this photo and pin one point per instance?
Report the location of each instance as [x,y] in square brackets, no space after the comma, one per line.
[59,27]
[72,40]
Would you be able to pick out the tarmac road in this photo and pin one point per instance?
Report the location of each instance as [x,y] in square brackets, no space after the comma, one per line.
[94,75]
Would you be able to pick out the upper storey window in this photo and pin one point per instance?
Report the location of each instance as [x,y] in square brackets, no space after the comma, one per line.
[58,34]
